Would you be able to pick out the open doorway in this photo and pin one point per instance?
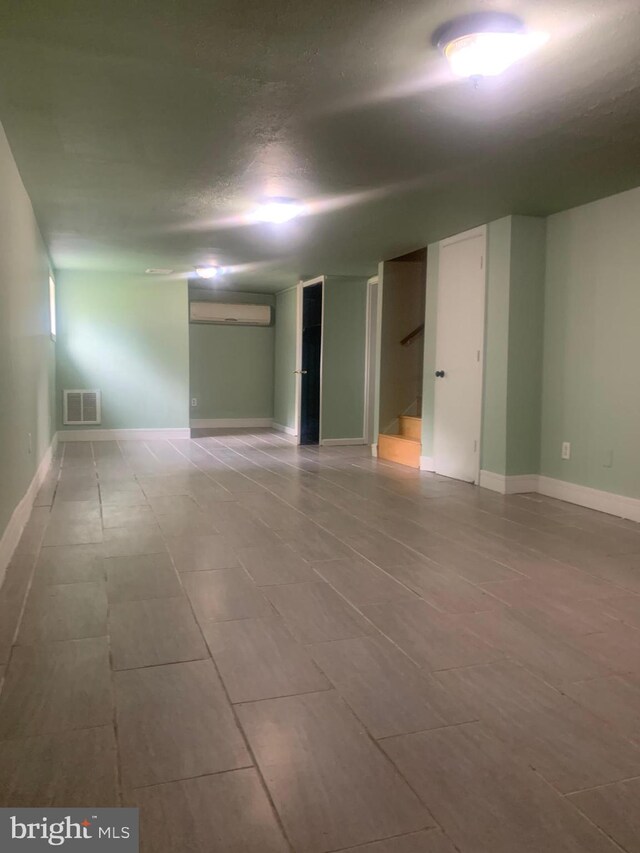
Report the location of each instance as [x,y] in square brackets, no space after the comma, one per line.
[371,364]
[311,363]
[401,347]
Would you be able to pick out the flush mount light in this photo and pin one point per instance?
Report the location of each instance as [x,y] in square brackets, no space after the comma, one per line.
[277,210]
[486,44]
[207,272]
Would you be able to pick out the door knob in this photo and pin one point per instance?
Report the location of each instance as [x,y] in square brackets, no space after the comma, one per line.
[439,373]
[304,372]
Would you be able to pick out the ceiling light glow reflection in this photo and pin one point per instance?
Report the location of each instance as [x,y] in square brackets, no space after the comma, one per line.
[277,210]
[207,272]
[489,54]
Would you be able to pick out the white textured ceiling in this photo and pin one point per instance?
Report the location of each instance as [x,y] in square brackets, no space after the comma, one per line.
[145,131]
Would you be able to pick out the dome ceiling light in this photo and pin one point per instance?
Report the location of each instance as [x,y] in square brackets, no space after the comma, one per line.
[486,44]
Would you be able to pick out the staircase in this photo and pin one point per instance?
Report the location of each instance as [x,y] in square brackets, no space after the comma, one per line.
[405,447]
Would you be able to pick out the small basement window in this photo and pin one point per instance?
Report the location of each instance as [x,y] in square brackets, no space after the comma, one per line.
[52,307]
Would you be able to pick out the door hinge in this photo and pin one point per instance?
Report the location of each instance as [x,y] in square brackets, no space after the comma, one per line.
[481,262]
[475,446]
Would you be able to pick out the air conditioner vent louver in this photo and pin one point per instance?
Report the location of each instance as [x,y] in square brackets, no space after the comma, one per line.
[81,407]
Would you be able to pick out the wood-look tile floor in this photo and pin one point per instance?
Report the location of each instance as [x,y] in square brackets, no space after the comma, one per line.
[271,648]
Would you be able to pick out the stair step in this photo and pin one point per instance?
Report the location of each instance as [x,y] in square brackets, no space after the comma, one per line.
[411,427]
[400,449]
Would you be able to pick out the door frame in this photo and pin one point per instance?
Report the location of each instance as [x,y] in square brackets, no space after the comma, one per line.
[471,234]
[371,348]
[320,279]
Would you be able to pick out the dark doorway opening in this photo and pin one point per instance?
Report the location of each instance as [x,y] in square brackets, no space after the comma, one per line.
[311,364]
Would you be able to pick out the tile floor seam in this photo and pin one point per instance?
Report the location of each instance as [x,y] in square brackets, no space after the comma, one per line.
[610,784]
[389,760]
[585,817]
[114,709]
[236,719]
[426,731]
[288,695]
[133,788]
[433,829]
[53,733]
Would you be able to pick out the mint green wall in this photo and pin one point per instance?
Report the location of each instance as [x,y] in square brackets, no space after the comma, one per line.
[284,386]
[343,357]
[526,325]
[591,393]
[231,367]
[127,335]
[513,345]
[26,348]
[496,347]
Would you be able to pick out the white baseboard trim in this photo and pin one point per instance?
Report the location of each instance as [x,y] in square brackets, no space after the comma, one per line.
[374,450]
[123,434]
[509,485]
[427,463]
[286,429]
[221,423]
[597,499]
[21,513]
[609,502]
[337,442]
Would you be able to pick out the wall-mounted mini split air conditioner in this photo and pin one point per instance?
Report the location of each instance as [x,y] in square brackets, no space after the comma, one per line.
[225,313]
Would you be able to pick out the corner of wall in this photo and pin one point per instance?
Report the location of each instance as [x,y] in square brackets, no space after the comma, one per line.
[429,350]
[525,344]
[494,406]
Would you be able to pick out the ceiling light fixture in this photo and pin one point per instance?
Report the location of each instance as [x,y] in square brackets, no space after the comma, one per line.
[486,44]
[207,272]
[277,210]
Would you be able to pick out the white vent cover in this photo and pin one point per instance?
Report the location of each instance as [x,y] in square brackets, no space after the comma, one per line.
[225,312]
[81,407]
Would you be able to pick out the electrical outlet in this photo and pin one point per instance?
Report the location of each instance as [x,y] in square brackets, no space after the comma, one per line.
[608,459]
[566,450]
[194,402]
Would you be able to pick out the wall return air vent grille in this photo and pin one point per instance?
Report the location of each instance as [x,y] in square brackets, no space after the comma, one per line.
[81,407]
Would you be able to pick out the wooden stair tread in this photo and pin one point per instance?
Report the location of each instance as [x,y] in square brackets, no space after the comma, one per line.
[410,427]
[400,449]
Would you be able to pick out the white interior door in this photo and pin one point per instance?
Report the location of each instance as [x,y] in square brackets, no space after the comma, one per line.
[459,356]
